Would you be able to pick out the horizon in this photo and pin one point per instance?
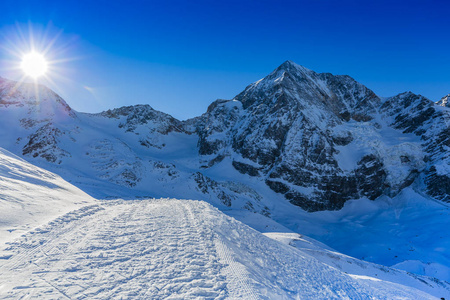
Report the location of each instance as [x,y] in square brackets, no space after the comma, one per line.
[179,57]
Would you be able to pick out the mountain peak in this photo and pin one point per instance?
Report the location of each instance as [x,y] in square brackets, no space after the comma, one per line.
[292,68]
[36,98]
[444,101]
[291,85]
[287,64]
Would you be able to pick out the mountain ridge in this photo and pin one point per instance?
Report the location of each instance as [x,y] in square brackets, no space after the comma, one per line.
[326,145]
[291,131]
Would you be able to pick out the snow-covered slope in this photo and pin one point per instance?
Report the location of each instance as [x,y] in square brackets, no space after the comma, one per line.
[31,196]
[291,142]
[71,246]
[180,249]
[431,123]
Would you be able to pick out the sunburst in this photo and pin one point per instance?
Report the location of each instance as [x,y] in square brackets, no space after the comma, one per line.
[34,64]
[36,54]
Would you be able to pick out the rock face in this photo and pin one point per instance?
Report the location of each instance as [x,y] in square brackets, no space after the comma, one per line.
[415,114]
[133,117]
[281,127]
[314,139]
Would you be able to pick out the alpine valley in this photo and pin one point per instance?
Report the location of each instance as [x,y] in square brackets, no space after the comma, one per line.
[313,164]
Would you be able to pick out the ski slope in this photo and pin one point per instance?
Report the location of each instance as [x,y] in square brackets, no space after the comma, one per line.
[56,242]
[31,196]
[176,249]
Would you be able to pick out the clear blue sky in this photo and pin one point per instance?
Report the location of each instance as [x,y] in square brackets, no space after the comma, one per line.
[179,56]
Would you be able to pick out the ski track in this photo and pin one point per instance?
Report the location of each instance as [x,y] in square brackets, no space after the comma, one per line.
[170,249]
[155,250]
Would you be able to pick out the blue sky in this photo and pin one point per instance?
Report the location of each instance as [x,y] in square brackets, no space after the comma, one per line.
[179,56]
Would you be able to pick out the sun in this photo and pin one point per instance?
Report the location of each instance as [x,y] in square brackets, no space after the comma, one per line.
[34,64]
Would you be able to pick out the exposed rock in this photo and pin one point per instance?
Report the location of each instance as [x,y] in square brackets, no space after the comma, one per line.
[138,115]
[245,168]
[43,143]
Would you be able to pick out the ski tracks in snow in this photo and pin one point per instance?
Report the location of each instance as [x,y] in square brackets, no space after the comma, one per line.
[170,249]
[153,249]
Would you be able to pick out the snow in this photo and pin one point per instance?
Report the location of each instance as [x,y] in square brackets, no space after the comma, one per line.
[166,248]
[176,249]
[31,196]
[187,249]
[386,142]
[387,231]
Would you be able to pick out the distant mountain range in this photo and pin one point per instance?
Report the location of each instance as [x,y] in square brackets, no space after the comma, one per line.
[316,140]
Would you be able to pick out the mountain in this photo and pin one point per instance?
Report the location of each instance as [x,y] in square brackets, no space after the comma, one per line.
[281,129]
[316,139]
[293,142]
[321,140]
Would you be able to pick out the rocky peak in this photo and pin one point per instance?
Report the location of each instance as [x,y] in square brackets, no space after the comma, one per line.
[291,85]
[292,68]
[444,101]
[135,115]
[139,109]
[34,99]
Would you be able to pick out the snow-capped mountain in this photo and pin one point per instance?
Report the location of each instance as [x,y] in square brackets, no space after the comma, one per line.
[317,140]
[291,142]
[321,139]
[281,127]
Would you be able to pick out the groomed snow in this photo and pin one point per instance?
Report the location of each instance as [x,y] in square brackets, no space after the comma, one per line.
[177,249]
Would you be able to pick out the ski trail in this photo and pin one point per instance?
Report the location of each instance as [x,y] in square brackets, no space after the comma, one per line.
[167,248]
[35,241]
[123,249]
[238,281]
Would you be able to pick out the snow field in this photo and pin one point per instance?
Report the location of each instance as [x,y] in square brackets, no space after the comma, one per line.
[171,249]
[31,196]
